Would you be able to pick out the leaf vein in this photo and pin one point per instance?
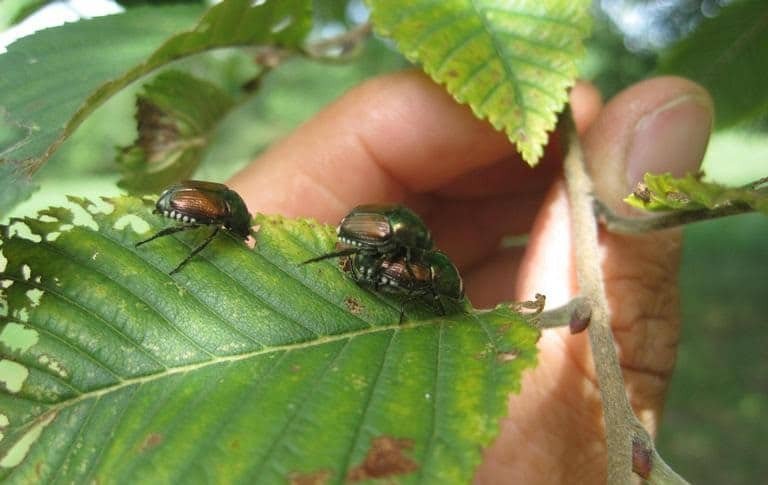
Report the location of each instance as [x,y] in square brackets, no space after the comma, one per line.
[97,317]
[98,270]
[207,308]
[309,390]
[347,457]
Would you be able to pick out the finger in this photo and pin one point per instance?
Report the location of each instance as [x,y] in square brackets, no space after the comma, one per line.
[471,215]
[660,125]
[392,136]
[639,274]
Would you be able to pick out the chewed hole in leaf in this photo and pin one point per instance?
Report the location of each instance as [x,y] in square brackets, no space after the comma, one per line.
[136,224]
[245,338]
[18,337]
[21,448]
[21,229]
[34,295]
[12,375]
[282,24]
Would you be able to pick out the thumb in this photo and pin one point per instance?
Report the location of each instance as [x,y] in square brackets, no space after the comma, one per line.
[659,125]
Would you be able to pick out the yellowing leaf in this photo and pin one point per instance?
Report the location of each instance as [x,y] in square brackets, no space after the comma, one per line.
[511,61]
[663,192]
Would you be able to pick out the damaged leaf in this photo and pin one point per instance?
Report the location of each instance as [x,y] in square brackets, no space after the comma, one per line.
[664,192]
[245,365]
[175,116]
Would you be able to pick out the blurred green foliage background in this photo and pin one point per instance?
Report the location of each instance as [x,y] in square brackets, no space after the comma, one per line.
[715,422]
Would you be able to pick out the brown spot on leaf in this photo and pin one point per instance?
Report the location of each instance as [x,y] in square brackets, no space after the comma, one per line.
[235,445]
[295,368]
[316,478]
[353,305]
[158,132]
[453,73]
[152,440]
[678,197]
[385,458]
[642,192]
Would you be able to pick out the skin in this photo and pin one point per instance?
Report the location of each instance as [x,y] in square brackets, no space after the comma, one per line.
[401,138]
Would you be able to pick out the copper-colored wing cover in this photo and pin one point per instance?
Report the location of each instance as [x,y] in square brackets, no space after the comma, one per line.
[366,226]
[204,205]
[397,270]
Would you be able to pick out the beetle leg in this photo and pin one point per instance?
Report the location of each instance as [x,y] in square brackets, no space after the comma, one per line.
[413,295]
[196,250]
[408,264]
[167,231]
[335,254]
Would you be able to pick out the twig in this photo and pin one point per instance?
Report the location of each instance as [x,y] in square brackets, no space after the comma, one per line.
[575,314]
[629,446]
[636,225]
[271,56]
[340,47]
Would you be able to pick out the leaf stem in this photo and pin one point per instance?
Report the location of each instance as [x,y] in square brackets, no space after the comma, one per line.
[340,47]
[575,314]
[636,225]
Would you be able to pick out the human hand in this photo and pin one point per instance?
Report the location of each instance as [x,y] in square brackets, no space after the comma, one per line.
[401,138]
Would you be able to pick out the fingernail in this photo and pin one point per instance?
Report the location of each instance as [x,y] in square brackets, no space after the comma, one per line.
[671,138]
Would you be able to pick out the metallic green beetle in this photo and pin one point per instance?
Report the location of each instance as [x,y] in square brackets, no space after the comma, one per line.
[384,230]
[195,203]
[434,274]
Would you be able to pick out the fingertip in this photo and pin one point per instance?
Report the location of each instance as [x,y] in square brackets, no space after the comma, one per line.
[586,103]
[657,125]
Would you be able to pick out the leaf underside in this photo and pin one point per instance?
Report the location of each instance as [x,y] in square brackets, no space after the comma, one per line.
[512,62]
[244,367]
[175,115]
[727,54]
[664,192]
[54,79]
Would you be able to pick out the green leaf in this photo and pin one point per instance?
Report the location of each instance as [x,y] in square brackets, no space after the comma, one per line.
[245,367]
[727,54]
[664,192]
[16,187]
[175,116]
[14,11]
[330,11]
[512,62]
[50,89]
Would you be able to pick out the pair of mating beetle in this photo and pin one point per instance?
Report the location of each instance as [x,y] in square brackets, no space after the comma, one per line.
[388,247]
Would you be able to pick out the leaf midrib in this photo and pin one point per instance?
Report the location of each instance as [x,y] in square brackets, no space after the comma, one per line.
[170,371]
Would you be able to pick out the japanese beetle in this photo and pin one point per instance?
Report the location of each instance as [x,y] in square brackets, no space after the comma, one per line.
[434,274]
[195,204]
[383,230]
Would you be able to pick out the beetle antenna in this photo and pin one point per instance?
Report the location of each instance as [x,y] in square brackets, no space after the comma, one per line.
[335,254]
